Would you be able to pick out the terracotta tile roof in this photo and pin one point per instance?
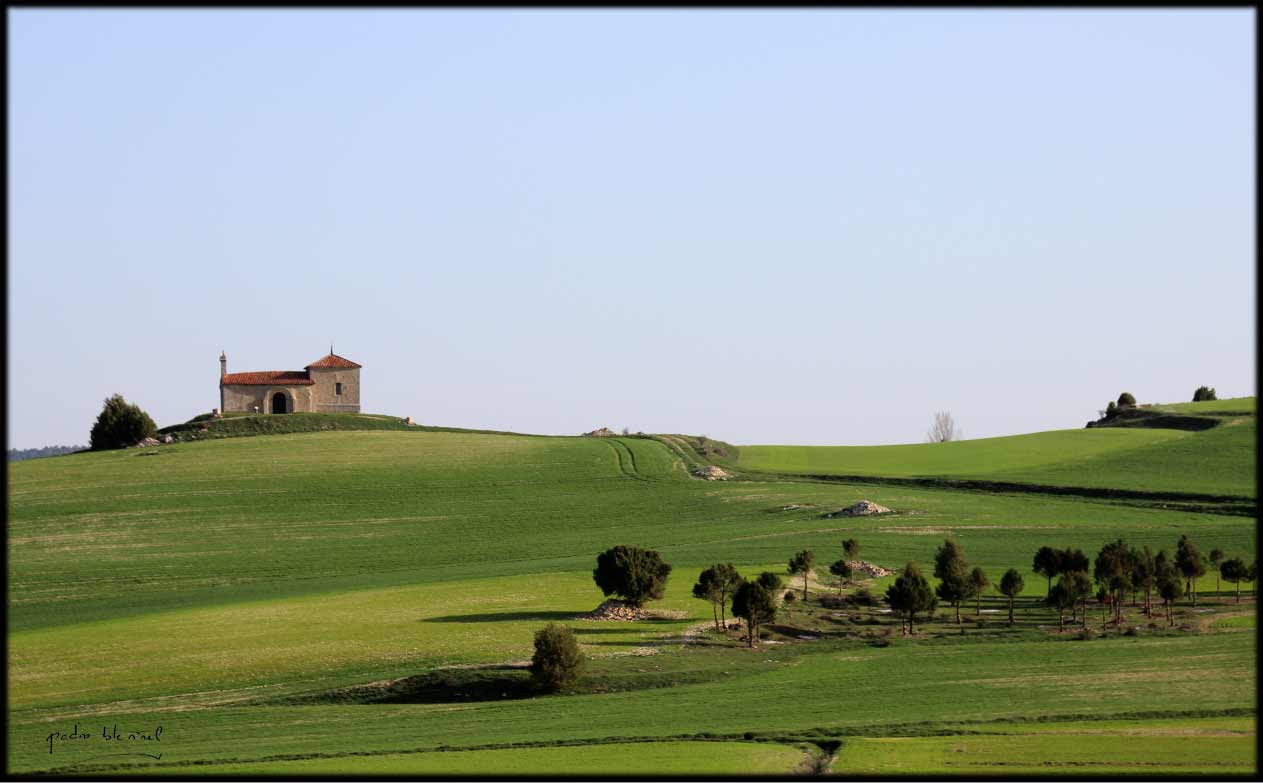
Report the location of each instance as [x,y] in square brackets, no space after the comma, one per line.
[267,378]
[334,361]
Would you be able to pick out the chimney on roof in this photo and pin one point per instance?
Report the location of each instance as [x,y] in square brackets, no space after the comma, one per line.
[223,364]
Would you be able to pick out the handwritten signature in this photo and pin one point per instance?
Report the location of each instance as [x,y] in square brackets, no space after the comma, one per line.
[108,734]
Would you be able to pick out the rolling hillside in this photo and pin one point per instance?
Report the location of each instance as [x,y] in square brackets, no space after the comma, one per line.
[244,584]
[1218,460]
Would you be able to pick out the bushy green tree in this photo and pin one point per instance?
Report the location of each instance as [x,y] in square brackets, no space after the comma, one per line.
[771,582]
[1011,585]
[842,570]
[120,425]
[1126,400]
[635,575]
[1111,410]
[756,605]
[1143,575]
[1080,587]
[802,563]
[717,584]
[911,595]
[557,661]
[1235,570]
[1204,394]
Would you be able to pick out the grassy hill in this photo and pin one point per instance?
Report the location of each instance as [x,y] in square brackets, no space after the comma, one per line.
[1215,459]
[245,589]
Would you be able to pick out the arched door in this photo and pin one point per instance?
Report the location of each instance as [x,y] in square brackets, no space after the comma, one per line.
[278,403]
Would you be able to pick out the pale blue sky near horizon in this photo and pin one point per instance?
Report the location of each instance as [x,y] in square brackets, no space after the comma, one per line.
[808,226]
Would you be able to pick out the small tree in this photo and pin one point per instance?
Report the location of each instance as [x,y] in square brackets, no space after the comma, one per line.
[1235,570]
[1126,400]
[1048,564]
[1143,573]
[802,563]
[1204,394]
[1191,564]
[1111,410]
[636,575]
[1169,589]
[911,594]
[1062,598]
[557,661]
[944,429]
[1216,557]
[120,425]
[717,584]
[851,549]
[842,570]
[952,571]
[1080,590]
[756,605]
[1011,585]
[979,583]
[1112,570]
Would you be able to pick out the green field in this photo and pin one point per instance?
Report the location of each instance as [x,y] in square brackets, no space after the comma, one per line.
[267,599]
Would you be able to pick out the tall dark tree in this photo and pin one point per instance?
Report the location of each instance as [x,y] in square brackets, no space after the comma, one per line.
[756,605]
[557,661]
[1191,564]
[1112,570]
[120,424]
[717,584]
[802,563]
[952,571]
[851,549]
[1204,394]
[1143,574]
[1047,564]
[978,583]
[1080,587]
[1071,560]
[842,570]
[1011,585]
[1235,570]
[1126,400]
[635,575]
[771,582]
[911,595]
[1216,557]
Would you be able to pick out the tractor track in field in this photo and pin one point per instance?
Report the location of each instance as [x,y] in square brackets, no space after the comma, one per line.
[625,457]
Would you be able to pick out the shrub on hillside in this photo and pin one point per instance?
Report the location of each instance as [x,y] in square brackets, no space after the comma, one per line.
[120,425]
[1204,394]
[557,660]
[1126,400]
[863,597]
[633,574]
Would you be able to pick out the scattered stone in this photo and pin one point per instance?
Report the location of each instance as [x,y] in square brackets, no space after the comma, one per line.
[146,442]
[860,509]
[614,609]
[712,473]
[869,569]
[168,438]
[604,432]
[410,422]
[790,507]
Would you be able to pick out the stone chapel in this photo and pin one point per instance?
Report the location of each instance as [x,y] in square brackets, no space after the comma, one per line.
[330,384]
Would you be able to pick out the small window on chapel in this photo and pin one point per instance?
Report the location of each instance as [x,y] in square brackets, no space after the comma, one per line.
[337,389]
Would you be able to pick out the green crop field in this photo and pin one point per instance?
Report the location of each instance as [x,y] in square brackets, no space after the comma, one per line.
[339,596]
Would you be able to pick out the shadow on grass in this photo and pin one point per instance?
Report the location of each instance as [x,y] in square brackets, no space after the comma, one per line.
[502,617]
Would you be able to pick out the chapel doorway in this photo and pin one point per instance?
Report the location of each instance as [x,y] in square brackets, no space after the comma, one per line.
[278,403]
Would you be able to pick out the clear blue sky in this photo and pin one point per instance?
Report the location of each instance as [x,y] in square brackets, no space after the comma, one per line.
[804,227]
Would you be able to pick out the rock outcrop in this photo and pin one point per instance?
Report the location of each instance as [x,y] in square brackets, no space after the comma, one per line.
[712,473]
[869,569]
[860,509]
[614,609]
[604,432]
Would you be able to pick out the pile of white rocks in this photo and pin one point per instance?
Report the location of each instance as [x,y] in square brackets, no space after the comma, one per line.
[860,509]
[614,609]
[712,473]
[604,432]
[869,569]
